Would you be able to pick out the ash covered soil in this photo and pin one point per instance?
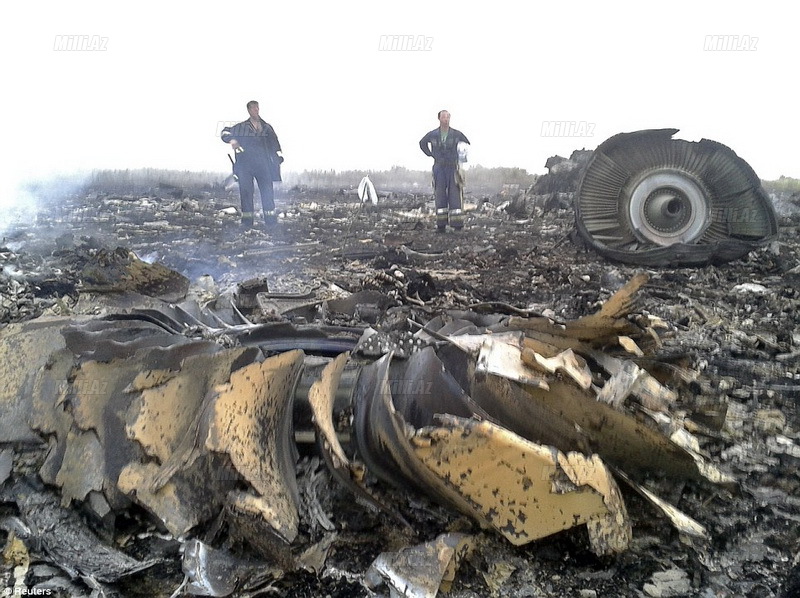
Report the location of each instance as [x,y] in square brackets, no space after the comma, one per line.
[736,324]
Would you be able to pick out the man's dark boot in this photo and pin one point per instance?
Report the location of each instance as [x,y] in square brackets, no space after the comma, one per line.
[270,218]
[457,219]
[441,219]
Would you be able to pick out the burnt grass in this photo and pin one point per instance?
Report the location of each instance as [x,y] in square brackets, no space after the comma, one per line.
[511,256]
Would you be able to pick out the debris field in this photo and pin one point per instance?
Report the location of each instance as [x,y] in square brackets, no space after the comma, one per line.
[350,404]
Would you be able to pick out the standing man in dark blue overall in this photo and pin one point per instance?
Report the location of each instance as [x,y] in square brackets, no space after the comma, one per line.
[259,157]
[442,145]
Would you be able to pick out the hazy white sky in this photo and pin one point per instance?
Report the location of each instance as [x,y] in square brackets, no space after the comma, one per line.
[171,72]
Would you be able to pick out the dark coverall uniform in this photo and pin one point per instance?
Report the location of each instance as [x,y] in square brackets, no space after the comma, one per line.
[258,159]
[446,175]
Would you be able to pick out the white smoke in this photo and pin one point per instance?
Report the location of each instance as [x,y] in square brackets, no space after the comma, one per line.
[24,200]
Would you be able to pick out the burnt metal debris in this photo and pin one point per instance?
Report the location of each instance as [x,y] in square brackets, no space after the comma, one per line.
[426,419]
[648,199]
[520,423]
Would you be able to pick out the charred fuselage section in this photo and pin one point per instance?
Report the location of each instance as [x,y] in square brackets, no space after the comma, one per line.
[648,199]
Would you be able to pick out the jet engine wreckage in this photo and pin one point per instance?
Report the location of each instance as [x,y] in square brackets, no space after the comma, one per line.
[648,199]
[525,424]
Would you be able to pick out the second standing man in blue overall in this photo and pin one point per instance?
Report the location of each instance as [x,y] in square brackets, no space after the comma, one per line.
[442,145]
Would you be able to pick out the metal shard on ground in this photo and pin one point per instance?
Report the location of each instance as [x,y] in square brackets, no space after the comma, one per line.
[524,490]
[251,421]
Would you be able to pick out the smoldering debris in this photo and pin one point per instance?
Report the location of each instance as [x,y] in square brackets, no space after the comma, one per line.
[653,411]
[192,432]
[29,286]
